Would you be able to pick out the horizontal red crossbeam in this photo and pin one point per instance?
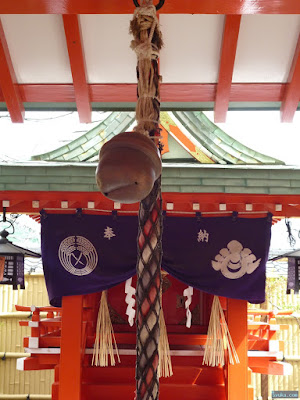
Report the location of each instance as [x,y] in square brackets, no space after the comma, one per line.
[21,202]
[170,92]
[170,7]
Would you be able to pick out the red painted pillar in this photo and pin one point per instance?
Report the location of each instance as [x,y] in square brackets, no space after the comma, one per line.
[237,374]
[71,342]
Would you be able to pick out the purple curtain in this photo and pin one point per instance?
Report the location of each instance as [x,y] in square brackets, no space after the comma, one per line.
[225,256]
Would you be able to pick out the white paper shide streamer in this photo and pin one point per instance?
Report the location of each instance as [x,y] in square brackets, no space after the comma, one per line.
[130,291]
[188,293]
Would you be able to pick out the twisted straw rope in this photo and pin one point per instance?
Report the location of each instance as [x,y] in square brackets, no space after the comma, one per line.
[147,43]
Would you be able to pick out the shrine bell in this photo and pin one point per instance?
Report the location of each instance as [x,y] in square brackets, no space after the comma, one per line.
[129,164]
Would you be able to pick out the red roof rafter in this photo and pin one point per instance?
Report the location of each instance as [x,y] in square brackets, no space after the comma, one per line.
[170,7]
[184,141]
[292,93]
[170,92]
[10,90]
[77,62]
[228,52]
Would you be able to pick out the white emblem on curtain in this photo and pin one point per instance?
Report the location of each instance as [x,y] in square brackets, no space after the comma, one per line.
[234,261]
[202,236]
[77,255]
[108,233]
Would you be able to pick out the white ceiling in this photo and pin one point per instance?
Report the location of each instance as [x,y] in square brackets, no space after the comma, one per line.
[38,51]
[106,43]
[191,53]
[192,47]
[266,48]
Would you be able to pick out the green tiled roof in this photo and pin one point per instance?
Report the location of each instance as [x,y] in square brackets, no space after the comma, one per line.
[86,147]
[223,148]
[185,178]
[220,147]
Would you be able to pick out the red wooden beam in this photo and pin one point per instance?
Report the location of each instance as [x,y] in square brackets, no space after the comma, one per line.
[78,68]
[265,366]
[71,340]
[170,7]
[229,45]
[33,364]
[21,202]
[237,374]
[181,138]
[292,93]
[10,90]
[170,92]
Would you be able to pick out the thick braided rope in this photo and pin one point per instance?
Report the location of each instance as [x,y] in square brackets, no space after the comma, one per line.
[147,43]
[148,295]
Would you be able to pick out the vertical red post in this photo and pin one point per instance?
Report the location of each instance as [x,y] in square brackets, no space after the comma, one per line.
[71,343]
[237,374]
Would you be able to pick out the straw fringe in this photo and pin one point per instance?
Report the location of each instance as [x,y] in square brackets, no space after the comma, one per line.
[165,363]
[105,337]
[218,339]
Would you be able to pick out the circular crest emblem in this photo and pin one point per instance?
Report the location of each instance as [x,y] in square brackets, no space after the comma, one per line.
[77,255]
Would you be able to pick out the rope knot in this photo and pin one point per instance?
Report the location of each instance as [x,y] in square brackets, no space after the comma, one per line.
[146,43]
[146,10]
[142,49]
[145,49]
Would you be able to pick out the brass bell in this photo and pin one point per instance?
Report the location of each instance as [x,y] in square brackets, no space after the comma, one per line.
[129,164]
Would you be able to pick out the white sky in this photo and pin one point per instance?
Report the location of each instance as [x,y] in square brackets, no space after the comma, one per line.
[41,132]
[259,130]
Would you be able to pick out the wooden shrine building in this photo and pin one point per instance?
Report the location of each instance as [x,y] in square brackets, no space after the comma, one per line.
[57,55]
[62,181]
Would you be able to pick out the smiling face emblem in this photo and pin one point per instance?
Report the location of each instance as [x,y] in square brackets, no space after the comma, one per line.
[234,261]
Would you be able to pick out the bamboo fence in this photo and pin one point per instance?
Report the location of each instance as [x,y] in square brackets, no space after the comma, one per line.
[277,299]
[15,384]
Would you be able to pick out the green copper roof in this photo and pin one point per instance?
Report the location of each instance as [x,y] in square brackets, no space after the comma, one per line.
[222,147]
[212,141]
[176,177]
[86,147]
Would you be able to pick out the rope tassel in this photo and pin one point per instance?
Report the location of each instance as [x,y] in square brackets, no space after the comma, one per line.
[105,337]
[164,364]
[218,339]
